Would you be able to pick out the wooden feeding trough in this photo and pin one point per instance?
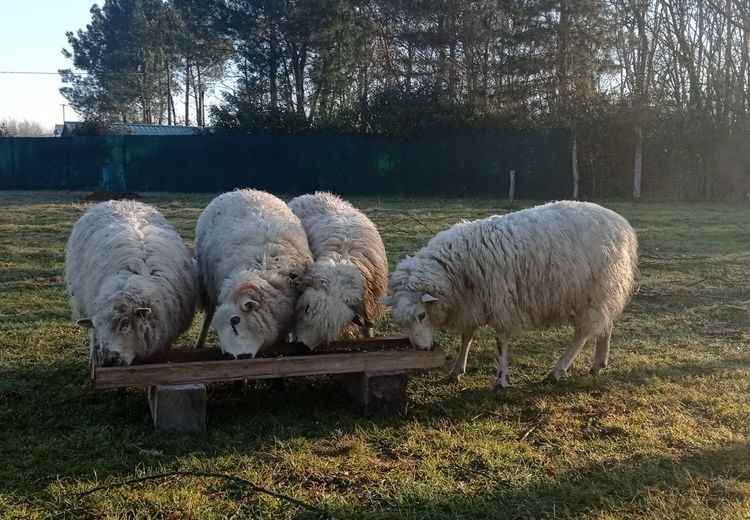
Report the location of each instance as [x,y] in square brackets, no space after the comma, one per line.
[373,371]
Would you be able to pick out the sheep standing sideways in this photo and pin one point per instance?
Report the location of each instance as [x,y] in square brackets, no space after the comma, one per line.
[562,262]
[349,275]
[130,279]
[249,247]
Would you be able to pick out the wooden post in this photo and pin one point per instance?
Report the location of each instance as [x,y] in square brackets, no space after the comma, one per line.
[178,408]
[375,392]
[512,190]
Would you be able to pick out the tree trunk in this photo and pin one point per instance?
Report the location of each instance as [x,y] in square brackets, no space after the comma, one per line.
[169,97]
[273,68]
[197,89]
[299,57]
[442,68]
[452,76]
[409,65]
[563,36]
[187,91]
[574,164]
[637,170]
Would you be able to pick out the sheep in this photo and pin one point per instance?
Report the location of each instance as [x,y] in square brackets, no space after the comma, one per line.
[249,247]
[130,279]
[562,262]
[349,275]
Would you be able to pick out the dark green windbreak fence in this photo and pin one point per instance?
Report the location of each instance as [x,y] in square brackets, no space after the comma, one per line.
[467,164]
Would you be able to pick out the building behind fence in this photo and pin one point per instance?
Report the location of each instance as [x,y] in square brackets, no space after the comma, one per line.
[467,164]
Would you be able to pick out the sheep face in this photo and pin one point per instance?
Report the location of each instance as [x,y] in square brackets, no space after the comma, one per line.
[122,324]
[252,316]
[119,337]
[333,298]
[414,312]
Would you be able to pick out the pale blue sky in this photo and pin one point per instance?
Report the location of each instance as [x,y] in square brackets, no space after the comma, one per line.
[32,33]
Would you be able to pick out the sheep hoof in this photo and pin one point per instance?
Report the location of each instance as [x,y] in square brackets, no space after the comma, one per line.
[551,378]
[596,368]
[453,378]
[500,385]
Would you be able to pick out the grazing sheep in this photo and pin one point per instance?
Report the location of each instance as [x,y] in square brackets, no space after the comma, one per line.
[130,279]
[249,247]
[563,262]
[349,275]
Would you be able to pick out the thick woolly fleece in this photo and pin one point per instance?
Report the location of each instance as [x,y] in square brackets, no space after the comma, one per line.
[249,247]
[350,272]
[129,273]
[562,262]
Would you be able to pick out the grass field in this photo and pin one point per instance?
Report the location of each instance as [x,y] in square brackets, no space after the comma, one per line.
[663,433]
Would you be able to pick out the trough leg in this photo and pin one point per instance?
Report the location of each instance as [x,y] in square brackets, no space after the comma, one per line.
[178,408]
[378,391]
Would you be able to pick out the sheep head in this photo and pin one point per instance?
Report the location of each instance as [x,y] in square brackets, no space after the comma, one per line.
[332,299]
[415,312]
[251,314]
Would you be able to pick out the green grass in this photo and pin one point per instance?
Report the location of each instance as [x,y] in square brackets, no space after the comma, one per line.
[663,433]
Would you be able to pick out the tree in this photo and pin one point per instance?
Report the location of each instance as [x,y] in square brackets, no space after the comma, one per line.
[202,50]
[125,51]
[10,127]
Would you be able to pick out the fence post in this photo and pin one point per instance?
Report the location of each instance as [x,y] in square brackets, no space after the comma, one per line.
[512,190]
[13,162]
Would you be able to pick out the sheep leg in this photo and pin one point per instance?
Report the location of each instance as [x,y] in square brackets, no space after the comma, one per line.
[501,383]
[574,347]
[459,368]
[207,317]
[601,354]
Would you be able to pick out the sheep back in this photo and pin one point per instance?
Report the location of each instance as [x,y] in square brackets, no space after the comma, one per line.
[336,229]
[249,246]
[126,250]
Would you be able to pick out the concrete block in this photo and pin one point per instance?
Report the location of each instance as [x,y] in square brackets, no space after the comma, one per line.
[378,392]
[178,408]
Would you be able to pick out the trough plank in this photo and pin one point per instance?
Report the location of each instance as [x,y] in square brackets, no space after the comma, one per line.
[266,368]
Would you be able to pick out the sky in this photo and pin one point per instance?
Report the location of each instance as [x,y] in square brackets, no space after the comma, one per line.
[32,33]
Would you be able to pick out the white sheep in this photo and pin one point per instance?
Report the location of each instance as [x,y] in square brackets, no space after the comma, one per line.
[130,279]
[562,262]
[249,246]
[349,275]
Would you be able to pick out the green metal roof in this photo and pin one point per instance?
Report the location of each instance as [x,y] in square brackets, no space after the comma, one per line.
[138,129]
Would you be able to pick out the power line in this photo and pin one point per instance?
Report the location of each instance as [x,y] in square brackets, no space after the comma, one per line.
[26,72]
[42,73]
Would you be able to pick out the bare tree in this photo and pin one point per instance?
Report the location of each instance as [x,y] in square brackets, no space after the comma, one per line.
[24,128]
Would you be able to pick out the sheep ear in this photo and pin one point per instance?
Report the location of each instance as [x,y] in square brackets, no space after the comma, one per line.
[388,300]
[85,323]
[250,305]
[143,312]
[427,298]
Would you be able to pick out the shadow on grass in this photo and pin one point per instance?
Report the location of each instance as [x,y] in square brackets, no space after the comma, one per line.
[56,426]
[631,488]
[437,399]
